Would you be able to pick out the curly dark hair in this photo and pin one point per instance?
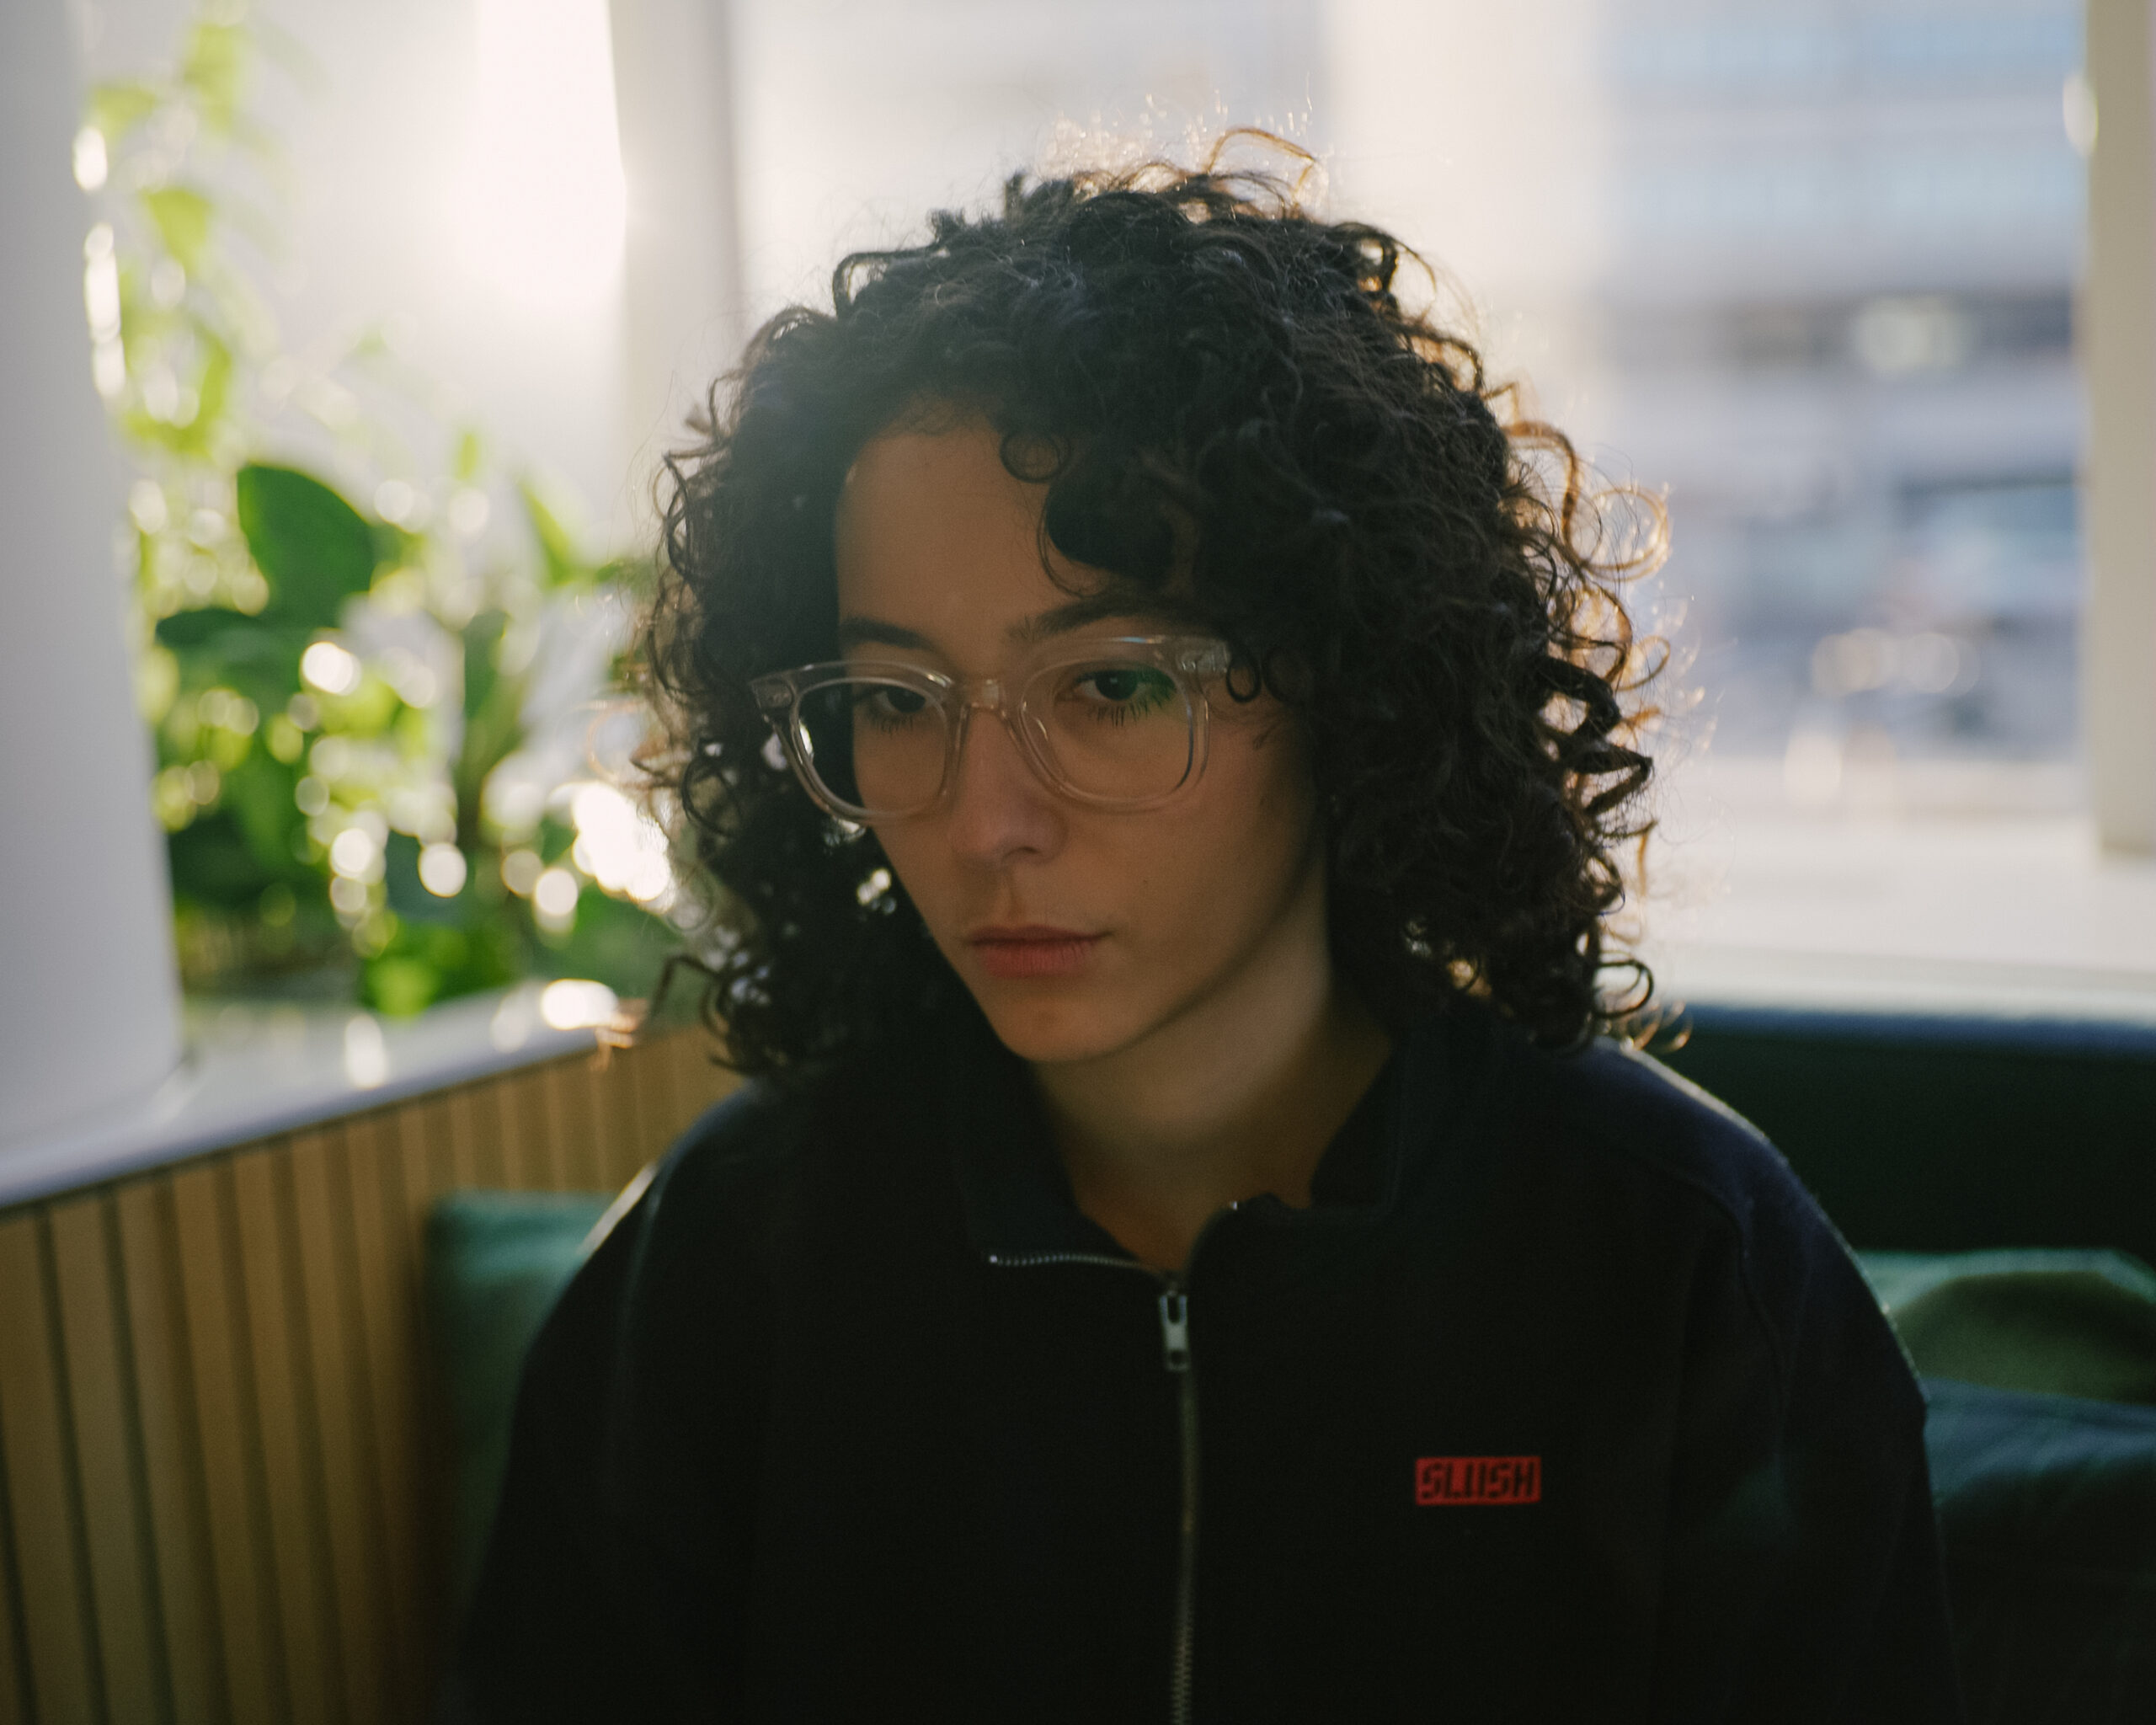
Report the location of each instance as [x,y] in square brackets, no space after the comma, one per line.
[1235,414]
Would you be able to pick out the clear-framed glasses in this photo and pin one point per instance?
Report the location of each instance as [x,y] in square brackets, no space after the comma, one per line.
[1116,723]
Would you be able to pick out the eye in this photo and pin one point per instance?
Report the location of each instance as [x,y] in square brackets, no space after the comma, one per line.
[887,700]
[1134,686]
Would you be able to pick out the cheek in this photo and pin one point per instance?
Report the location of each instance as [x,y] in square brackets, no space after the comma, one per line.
[1242,841]
[1264,775]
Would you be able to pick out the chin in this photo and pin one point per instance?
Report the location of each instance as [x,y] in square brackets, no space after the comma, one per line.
[1049,1033]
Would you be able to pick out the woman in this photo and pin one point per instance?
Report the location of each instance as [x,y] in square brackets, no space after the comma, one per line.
[1166,745]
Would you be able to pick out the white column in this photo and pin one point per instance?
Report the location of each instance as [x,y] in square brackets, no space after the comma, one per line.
[90,1018]
[684,301]
[2118,357]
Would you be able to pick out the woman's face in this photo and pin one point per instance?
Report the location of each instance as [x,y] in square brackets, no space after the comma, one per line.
[1081,931]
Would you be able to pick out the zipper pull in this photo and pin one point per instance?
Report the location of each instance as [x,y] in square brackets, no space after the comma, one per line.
[1174,1330]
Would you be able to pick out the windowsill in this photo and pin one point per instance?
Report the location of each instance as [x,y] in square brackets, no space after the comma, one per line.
[253,1069]
[1932,909]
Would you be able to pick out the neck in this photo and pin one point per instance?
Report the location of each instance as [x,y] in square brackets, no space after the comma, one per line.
[1238,1096]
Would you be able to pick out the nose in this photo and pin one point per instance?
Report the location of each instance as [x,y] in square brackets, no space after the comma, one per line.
[1000,811]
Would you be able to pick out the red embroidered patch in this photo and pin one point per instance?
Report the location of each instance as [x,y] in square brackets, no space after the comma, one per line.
[1478,1479]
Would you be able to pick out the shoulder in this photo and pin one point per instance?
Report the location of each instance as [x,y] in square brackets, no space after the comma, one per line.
[1608,1100]
[1754,1231]
[733,1159]
[765,1175]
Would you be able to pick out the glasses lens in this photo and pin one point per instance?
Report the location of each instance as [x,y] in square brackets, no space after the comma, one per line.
[875,746]
[1118,729]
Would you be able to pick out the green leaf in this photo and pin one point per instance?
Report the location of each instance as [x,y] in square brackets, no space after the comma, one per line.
[465,464]
[494,716]
[563,564]
[185,630]
[260,660]
[314,547]
[260,794]
[483,643]
[214,68]
[214,386]
[400,986]
[407,895]
[183,217]
[117,109]
[213,863]
[426,962]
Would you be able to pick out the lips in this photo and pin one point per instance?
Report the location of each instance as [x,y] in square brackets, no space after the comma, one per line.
[1032,951]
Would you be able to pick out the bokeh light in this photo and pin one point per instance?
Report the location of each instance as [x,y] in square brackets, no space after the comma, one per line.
[553,899]
[541,207]
[573,1004]
[355,853]
[520,871]
[443,870]
[330,668]
[619,846]
[91,161]
[366,1054]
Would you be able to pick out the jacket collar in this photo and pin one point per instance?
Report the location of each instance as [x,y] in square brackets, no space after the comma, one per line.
[1017,1199]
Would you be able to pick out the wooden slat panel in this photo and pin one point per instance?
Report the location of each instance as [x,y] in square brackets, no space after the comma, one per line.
[172,1462]
[645,1108]
[665,1093]
[290,1457]
[616,1128]
[529,1097]
[384,1284]
[525,1141]
[652,1089]
[101,1392]
[224,1437]
[704,1080]
[429,1165]
[449,1154]
[476,1128]
[432,1164]
[682,1054]
[570,1111]
[225,1472]
[519,1169]
[707,1080]
[659,1093]
[352,1501]
[35,1443]
[15,1700]
[521,1099]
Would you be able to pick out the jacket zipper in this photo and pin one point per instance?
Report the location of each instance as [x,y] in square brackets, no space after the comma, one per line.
[1175,1353]
[1174,1346]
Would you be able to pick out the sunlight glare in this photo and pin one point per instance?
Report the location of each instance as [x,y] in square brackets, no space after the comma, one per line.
[574,1004]
[91,161]
[366,1053]
[330,668]
[443,870]
[619,845]
[541,204]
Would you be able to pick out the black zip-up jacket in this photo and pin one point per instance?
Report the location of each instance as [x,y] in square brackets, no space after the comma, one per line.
[1560,1402]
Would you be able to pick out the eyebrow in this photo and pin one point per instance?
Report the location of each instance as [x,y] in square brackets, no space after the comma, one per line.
[871,631]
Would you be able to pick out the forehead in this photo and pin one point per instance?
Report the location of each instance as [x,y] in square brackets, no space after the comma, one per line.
[938,548]
[932,522]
